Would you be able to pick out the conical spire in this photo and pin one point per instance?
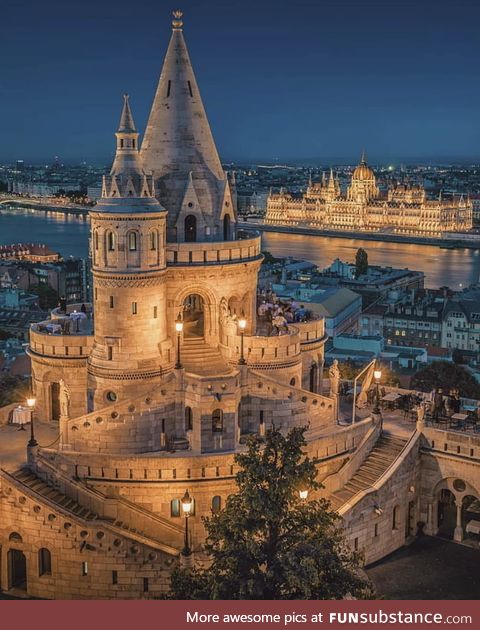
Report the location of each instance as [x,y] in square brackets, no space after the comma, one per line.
[178,140]
[127,124]
[363,159]
[127,177]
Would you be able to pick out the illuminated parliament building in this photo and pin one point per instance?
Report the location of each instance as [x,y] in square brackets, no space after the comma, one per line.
[404,209]
[161,381]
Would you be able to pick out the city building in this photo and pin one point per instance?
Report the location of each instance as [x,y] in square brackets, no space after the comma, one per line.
[403,209]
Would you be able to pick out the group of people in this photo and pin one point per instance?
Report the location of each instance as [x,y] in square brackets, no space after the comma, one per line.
[278,314]
[444,404]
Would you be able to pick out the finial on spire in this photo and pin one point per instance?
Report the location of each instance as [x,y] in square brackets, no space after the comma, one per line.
[363,159]
[177,21]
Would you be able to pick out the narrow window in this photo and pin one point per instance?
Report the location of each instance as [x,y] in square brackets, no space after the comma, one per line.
[109,353]
[145,585]
[355,544]
[111,241]
[114,577]
[84,568]
[134,308]
[155,309]
[96,294]
[153,240]
[132,241]
[168,88]
[395,517]
[188,419]
[133,143]
[111,301]
[216,504]
[376,530]
[96,240]
[44,562]
[190,88]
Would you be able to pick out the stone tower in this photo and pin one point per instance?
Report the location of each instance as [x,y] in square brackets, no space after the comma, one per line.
[128,228]
[179,151]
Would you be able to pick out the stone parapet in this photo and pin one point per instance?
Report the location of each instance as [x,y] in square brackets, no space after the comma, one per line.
[215,252]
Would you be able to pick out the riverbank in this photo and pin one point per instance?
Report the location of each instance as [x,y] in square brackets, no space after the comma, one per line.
[45,206]
[382,237]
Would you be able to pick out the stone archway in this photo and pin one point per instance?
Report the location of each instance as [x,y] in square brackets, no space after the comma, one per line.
[17,569]
[209,309]
[193,314]
[446,513]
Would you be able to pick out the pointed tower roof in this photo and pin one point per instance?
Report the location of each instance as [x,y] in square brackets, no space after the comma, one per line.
[178,139]
[127,124]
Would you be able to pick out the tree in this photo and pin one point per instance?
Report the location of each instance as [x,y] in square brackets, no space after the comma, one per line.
[361,262]
[267,543]
[13,389]
[445,375]
[47,297]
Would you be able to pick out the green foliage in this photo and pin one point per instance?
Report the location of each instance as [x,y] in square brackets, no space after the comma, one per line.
[361,262]
[269,544]
[269,258]
[47,297]
[13,389]
[447,376]
[349,370]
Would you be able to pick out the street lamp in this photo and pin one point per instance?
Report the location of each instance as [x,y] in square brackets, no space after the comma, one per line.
[242,324]
[187,505]
[303,494]
[378,375]
[179,329]
[31,405]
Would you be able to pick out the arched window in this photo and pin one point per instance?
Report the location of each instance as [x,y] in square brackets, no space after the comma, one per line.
[175,507]
[216,504]
[395,517]
[110,241]
[44,562]
[132,238]
[95,239]
[292,382]
[217,421]
[188,419]
[190,228]
[153,240]
[121,143]
[15,537]
[226,227]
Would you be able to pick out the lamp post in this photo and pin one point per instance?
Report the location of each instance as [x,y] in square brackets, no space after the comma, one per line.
[242,324]
[378,375]
[179,329]
[31,405]
[303,494]
[187,504]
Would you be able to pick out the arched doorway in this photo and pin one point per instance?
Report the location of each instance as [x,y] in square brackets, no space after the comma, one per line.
[55,401]
[470,512]
[190,227]
[226,227]
[17,569]
[447,513]
[193,317]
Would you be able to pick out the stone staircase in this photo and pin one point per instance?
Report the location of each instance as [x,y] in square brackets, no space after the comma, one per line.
[384,453]
[200,358]
[41,488]
[34,486]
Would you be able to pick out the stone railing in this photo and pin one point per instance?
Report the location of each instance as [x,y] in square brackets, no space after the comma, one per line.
[73,346]
[214,253]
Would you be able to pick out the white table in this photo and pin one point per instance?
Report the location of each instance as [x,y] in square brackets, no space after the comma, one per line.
[460,416]
[53,328]
[473,527]
[21,415]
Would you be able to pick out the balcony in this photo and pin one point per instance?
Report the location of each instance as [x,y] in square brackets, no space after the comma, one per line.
[245,248]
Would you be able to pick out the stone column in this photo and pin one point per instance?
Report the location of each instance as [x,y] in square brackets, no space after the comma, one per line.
[458,533]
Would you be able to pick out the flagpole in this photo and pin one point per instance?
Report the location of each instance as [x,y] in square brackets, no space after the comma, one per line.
[355,387]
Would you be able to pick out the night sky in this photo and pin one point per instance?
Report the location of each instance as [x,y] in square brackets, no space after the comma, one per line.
[280,79]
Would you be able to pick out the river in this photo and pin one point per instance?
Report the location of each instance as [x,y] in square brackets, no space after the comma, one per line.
[68,234]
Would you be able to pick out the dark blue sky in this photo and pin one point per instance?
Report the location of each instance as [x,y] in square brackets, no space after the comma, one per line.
[280,79]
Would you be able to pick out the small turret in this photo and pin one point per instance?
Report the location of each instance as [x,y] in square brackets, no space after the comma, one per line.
[127,178]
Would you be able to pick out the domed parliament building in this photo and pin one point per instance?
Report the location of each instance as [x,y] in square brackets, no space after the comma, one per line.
[157,386]
[404,209]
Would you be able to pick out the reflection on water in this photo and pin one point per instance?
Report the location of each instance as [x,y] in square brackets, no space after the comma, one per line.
[68,234]
[451,267]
